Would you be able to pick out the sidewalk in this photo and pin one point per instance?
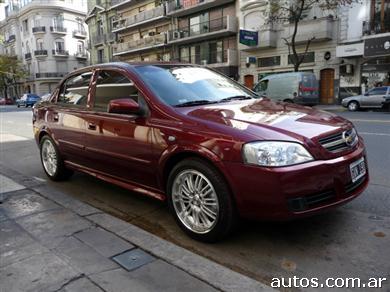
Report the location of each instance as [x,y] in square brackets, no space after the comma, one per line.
[52,242]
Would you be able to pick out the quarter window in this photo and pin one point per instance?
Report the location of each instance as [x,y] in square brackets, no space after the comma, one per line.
[113,85]
[74,91]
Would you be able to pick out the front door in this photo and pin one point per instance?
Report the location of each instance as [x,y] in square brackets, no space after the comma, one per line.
[249,81]
[327,86]
[119,144]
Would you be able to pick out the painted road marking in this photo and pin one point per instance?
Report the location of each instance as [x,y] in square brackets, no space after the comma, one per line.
[376,134]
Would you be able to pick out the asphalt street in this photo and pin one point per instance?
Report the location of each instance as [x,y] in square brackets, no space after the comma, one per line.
[351,241]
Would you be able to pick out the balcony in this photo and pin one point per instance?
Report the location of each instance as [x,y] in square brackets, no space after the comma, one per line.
[205,30]
[60,53]
[145,43]
[117,3]
[11,39]
[81,55]
[374,27]
[38,29]
[50,75]
[27,56]
[224,58]
[98,40]
[58,29]
[40,53]
[81,34]
[141,18]
[321,29]
[186,7]
[267,38]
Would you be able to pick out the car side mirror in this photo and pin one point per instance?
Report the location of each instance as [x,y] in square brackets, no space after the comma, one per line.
[123,106]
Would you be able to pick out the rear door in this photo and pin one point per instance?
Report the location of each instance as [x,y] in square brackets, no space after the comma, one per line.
[66,117]
[374,97]
[119,145]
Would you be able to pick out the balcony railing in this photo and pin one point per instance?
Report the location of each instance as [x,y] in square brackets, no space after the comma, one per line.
[98,39]
[138,45]
[140,18]
[375,27]
[79,33]
[58,29]
[11,38]
[60,53]
[183,7]
[27,56]
[226,57]
[201,30]
[40,53]
[81,55]
[118,2]
[39,29]
[50,75]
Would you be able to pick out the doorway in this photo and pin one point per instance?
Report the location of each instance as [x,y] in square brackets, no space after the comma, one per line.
[327,86]
[249,81]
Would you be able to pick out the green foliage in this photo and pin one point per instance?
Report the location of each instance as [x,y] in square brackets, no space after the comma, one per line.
[11,70]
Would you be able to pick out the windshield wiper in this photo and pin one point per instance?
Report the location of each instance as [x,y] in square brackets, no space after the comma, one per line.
[195,102]
[235,97]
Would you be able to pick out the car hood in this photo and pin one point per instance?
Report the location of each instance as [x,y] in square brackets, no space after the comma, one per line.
[265,119]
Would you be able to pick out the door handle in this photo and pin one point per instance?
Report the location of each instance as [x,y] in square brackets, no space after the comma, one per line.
[91,126]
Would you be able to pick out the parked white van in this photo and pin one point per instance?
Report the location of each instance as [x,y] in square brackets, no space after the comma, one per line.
[296,87]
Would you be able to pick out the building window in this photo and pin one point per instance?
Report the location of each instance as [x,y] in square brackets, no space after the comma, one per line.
[25,25]
[40,45]
[268,61]
[59,45]
[309,58]
[100,30]
[37,20]
[80,26]
[58,21]
[80,47]
[100,56]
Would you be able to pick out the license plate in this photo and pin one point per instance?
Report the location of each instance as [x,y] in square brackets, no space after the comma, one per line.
[358,169]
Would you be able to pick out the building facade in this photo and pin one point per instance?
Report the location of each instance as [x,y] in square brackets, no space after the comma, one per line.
[100,20]
[364,48]
[48,37]
[193,31]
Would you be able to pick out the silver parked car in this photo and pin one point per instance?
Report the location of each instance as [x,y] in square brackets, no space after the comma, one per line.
[373,98]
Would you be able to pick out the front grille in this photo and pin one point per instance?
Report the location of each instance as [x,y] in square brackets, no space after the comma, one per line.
[303,203]
[340,141]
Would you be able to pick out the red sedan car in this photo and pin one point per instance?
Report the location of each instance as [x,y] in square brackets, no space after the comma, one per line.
[209,146]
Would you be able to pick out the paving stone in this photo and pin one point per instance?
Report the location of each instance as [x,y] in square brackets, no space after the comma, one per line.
[36,273]
[82,257]
[156,276]
[66,201]
[103,242]
[81,285]
[15,206]
[8,185]
[51,227]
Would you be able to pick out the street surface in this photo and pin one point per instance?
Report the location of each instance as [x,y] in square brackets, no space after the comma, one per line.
[352,241]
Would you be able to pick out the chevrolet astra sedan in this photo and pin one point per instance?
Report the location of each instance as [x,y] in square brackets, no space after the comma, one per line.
[200,141]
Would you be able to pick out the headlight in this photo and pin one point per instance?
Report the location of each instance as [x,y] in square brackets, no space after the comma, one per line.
[274,153]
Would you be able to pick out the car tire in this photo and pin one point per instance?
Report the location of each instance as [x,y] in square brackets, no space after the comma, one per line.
[209,200]
[51,160]
[353,106]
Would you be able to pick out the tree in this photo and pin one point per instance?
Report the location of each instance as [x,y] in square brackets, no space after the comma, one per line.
[11,70]
[292,11]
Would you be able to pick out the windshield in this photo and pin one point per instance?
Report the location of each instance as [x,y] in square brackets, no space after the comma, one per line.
[185,85]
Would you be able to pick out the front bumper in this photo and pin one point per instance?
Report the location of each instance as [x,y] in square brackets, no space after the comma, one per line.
[295,191]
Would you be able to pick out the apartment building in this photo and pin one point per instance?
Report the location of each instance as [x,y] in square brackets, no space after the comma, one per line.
[194,31]
[269,54]
[100,19]
[364,47]
[49,37]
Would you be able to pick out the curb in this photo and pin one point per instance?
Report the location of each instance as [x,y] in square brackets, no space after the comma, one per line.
[199,267]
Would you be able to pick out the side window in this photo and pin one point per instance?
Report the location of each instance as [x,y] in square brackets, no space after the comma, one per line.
[113,85]
[378,91]
[74,90]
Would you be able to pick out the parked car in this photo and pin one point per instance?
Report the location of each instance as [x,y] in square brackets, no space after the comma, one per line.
[45,97]
[6,101]
[296,87]
[201,141]
[27,99]
[373,98]
[386,103]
